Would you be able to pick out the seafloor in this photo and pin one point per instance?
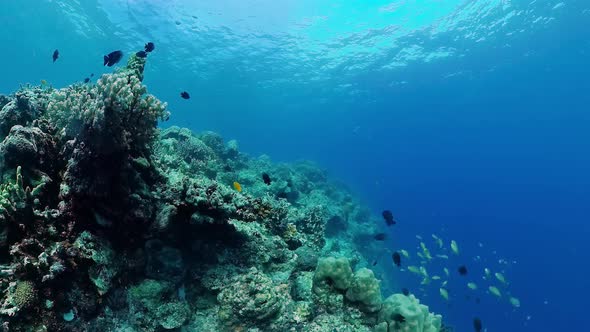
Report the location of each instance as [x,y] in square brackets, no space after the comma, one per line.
[108,223]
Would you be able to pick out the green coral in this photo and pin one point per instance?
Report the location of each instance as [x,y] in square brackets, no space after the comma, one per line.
[19,295]
[332,271]
[365,290]
[417,317]
[152,306]
[251,297]
[106,265]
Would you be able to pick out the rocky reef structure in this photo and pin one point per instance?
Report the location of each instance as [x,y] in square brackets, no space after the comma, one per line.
[108,223]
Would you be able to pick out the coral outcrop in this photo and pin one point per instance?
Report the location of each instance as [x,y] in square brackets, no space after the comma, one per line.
[108,223]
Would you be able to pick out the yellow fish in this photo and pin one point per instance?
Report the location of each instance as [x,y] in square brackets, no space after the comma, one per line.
[405,253]
[454,247]
[494,290]
[413,269]
[425,251]
[238,186]
[500,277]
[43,82]
[444,293]
[515,302]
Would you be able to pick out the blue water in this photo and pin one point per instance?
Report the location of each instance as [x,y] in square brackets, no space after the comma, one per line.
[468,119]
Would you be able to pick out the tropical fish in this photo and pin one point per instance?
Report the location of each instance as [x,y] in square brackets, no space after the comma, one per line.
[419,237]
[380,236]
[444,283]
[149,47]
[237,186]
[425,281]
[404,253]
[514,301]
[397,260]
[454,247]
[266,179]
[444,293]
[43,82]
[435,278]
[462,270]
[425,251]
[494,290]
[446,271]
[55,55]
[423,271]
[472,285]
[500,277]
[438,240]
[414,269]
[477,326]
[487,272]
[112,58]
[442,256]
[185,95]
[388,217]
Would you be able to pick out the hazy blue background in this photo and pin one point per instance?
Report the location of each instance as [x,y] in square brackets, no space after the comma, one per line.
[469,119]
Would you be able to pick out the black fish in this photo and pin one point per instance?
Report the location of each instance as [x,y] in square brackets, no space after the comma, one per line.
[462,270]
[150,47]
[185,95]
[92,75]
[399,318]
[86,80]
[397,259]
[405,291]
[388,216]
[112,58]
[266,179]
[477,324]
[374,263]
[380,236]
[141,54]
[55,55]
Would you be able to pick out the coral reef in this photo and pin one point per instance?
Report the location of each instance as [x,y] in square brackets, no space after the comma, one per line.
[108,223]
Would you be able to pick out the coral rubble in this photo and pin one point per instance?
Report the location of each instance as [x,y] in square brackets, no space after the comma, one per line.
[108,223]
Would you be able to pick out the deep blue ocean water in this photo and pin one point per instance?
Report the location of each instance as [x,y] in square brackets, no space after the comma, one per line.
[468,119]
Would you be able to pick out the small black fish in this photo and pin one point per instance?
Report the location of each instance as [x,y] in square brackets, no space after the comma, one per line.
[55,55]
[113,58]
[374,263]
[397,259]
[149,47]
[388,216]
[86,80]
[462,270]
[399,318]
[266,179]
[477,324]
[92,75]
[185,95]
[141,54]
[405,291]
[380,236]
